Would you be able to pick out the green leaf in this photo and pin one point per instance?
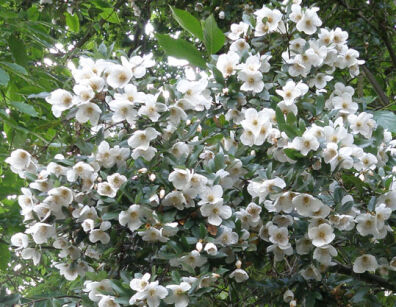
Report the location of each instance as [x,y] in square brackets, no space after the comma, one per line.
[188,22]
[73,22]
[4,77]
[24,108]
[293,153]
[181,49]
[15,68]
[5,256]
[213,37]
[320,102]
[110,15]
[18,50]
[386,119]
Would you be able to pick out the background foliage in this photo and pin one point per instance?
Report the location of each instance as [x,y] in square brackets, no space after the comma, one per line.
[37,40]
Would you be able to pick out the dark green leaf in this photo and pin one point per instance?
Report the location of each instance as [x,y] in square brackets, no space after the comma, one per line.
[188,22]
[15,68]
[181,49]
[18,50]
[213,37]
[5,256]
[73,22]
[293,153]
[4,77]
[386,119]
[24,108]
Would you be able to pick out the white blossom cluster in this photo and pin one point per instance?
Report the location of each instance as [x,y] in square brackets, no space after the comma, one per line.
[161,144]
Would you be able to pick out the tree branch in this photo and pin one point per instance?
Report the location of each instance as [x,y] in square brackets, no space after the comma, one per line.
[377,88]
[367,277]
[91,30]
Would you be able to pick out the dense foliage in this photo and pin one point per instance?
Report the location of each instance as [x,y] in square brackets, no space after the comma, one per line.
[260,175]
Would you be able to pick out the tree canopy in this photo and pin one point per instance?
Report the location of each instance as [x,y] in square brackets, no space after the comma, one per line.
[214,152]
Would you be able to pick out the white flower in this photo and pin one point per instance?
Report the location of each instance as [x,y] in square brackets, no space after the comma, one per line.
[131,94]
[118,76]
[105,189]
[20,240]
[309,21]
[239,46]
[265,187]
[131,217]
[43,183]
[303,246]
[211,249]
[41,232]
[194,259]
[71,251]
[311,272]
[382,213]
[107,301]
[80,169]
[320,80]
[175,199]
[366,161]
[60,100]
[237,29]
[100,234]
[227,63]
[19,160]
[60,196]
[321,235]
[345,104]
[306,204]
[123,110]
[116,180]
[324,254]
[68,271]
[288,296]
[195,94]
[211,195]
[267,21]
[88,112]
[31,253]
[305,144]
[253,81]
[279,236]
[180,178]
[120,155]
[84,92]
[148,153]
[366,224]
[363,124]
[284,202]
[216,212]
[140,284]
[180,149]
[280,251]
[152,235]
[141,138]
[239,275]
[365,263]
[178,296]
[56,169]
[176,114]
[153,293]
[290,91]
[138,64]
[389,199]
[227,236]
[151,108]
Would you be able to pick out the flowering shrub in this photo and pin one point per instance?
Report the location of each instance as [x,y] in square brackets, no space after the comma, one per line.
[263,173]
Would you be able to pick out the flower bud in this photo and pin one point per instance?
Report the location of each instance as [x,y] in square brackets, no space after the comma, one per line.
[199,246]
